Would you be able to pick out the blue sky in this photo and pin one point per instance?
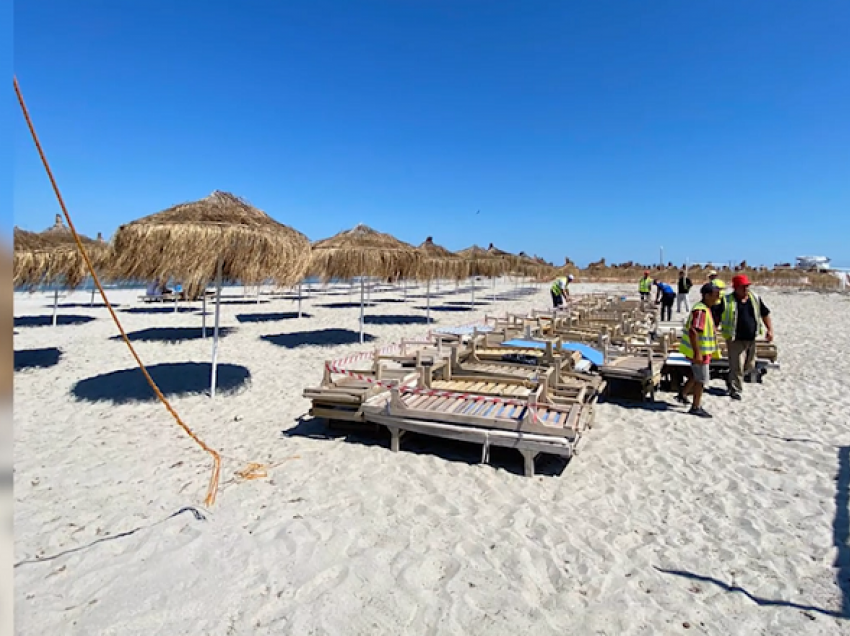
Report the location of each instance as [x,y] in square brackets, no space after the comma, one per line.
[584,129]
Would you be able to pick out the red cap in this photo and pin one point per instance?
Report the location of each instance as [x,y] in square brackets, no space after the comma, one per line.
[646,272]
[740,280]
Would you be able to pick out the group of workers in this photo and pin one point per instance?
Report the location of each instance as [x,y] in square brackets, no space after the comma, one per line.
[740,316]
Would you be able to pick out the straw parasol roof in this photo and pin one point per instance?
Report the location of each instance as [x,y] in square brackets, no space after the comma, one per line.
[362,251]
[438,262]
[186,242]
[511,259]
[483,263]
[53,256]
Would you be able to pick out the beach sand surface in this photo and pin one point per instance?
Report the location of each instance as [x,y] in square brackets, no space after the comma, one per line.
[663,524]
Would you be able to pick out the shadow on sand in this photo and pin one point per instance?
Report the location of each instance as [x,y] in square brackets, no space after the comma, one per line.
[47,321]
[162,309]
[320,338]
[289,315]
[395,320]
[173,379]
[37,358]
[347,305]
[82,305]
[173,335]
[443,308]
[840,538]
[501,458]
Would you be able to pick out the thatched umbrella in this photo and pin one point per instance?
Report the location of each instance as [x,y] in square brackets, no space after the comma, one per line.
[482,263]
[362,251]
[220,238]
[438,262]
[52,257]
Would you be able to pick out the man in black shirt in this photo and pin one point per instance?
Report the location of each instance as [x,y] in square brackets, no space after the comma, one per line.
[682,292]
[745,317]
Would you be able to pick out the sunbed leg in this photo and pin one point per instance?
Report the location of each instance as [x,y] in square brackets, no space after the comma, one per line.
[528,456]
[395,439]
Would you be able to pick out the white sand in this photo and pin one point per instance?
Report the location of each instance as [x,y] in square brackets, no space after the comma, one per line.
[353,539]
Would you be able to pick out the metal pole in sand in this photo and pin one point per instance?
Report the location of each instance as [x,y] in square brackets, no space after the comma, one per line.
[55,304]
[361,310]
[204,314]
[428,301]
[472,304]
[93,290]
[215,329]
[299,299]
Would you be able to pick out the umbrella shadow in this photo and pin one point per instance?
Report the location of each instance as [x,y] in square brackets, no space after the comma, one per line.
[173,335]
[443,308]
[37,358]
[241,302]
[289,315]
[389,300]
[346,305]
[83,305]
[47,321]
[393,319]
[173,379]
[469,453]
[161,309]
[319,337]
[477,303]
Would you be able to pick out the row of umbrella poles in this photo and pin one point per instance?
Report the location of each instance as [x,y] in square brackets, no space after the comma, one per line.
[223,239]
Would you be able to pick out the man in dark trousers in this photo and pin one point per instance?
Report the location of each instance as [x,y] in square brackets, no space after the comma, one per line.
[745,317]
[665,296]
[683,290]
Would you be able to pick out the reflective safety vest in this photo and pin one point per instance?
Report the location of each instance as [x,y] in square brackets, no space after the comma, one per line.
[645,285]
[559,286]
[729,324]
[707,340]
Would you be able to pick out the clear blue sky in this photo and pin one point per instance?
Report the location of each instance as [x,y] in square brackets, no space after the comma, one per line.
[719,130]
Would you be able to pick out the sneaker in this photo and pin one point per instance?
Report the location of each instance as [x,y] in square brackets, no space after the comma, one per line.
[701,412]
[735,395]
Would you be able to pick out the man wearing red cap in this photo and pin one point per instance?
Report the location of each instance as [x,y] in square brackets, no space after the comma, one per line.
[745,317]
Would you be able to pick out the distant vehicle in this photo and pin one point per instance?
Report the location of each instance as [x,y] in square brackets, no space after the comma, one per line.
[813,262]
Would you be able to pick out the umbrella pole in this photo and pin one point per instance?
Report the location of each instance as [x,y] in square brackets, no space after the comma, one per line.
[204,314]
[494,289]
[55,304]
[299,299]
[361,310]
[428,301]
[473,293]
[93,289]
[215,330]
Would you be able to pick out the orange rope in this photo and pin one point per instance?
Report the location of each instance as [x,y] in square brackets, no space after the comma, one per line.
[214,479]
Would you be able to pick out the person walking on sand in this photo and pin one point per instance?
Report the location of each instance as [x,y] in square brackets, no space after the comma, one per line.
[645,286]
[699,345]
[665,296]
[561,290]
[684,288]
[744,318]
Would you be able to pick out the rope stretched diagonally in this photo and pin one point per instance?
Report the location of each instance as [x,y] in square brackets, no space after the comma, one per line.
[212,490]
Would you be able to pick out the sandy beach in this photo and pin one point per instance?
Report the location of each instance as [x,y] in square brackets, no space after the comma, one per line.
[663,524]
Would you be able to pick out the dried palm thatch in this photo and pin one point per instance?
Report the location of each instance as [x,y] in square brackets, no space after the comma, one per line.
[362,251]
[528,266]
[52,256]
[438,262]
[483,263]
[187,241]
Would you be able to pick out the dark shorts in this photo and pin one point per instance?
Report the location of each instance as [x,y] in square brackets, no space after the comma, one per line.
[667,299]
[557,299]
[644,295]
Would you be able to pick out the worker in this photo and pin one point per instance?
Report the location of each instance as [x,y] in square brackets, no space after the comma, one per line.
[645,285]
[561,290]
[717,309]
[744,318]
[684,288]
[665,296]
[699,345]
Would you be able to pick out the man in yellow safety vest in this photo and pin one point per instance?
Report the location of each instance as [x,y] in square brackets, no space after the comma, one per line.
[699,345]
[561,290]
[645,286]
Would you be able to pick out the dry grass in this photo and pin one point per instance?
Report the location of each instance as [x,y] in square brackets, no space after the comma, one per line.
[483,263]
[362,251]
[438,262]
[52,256]
[186,242]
